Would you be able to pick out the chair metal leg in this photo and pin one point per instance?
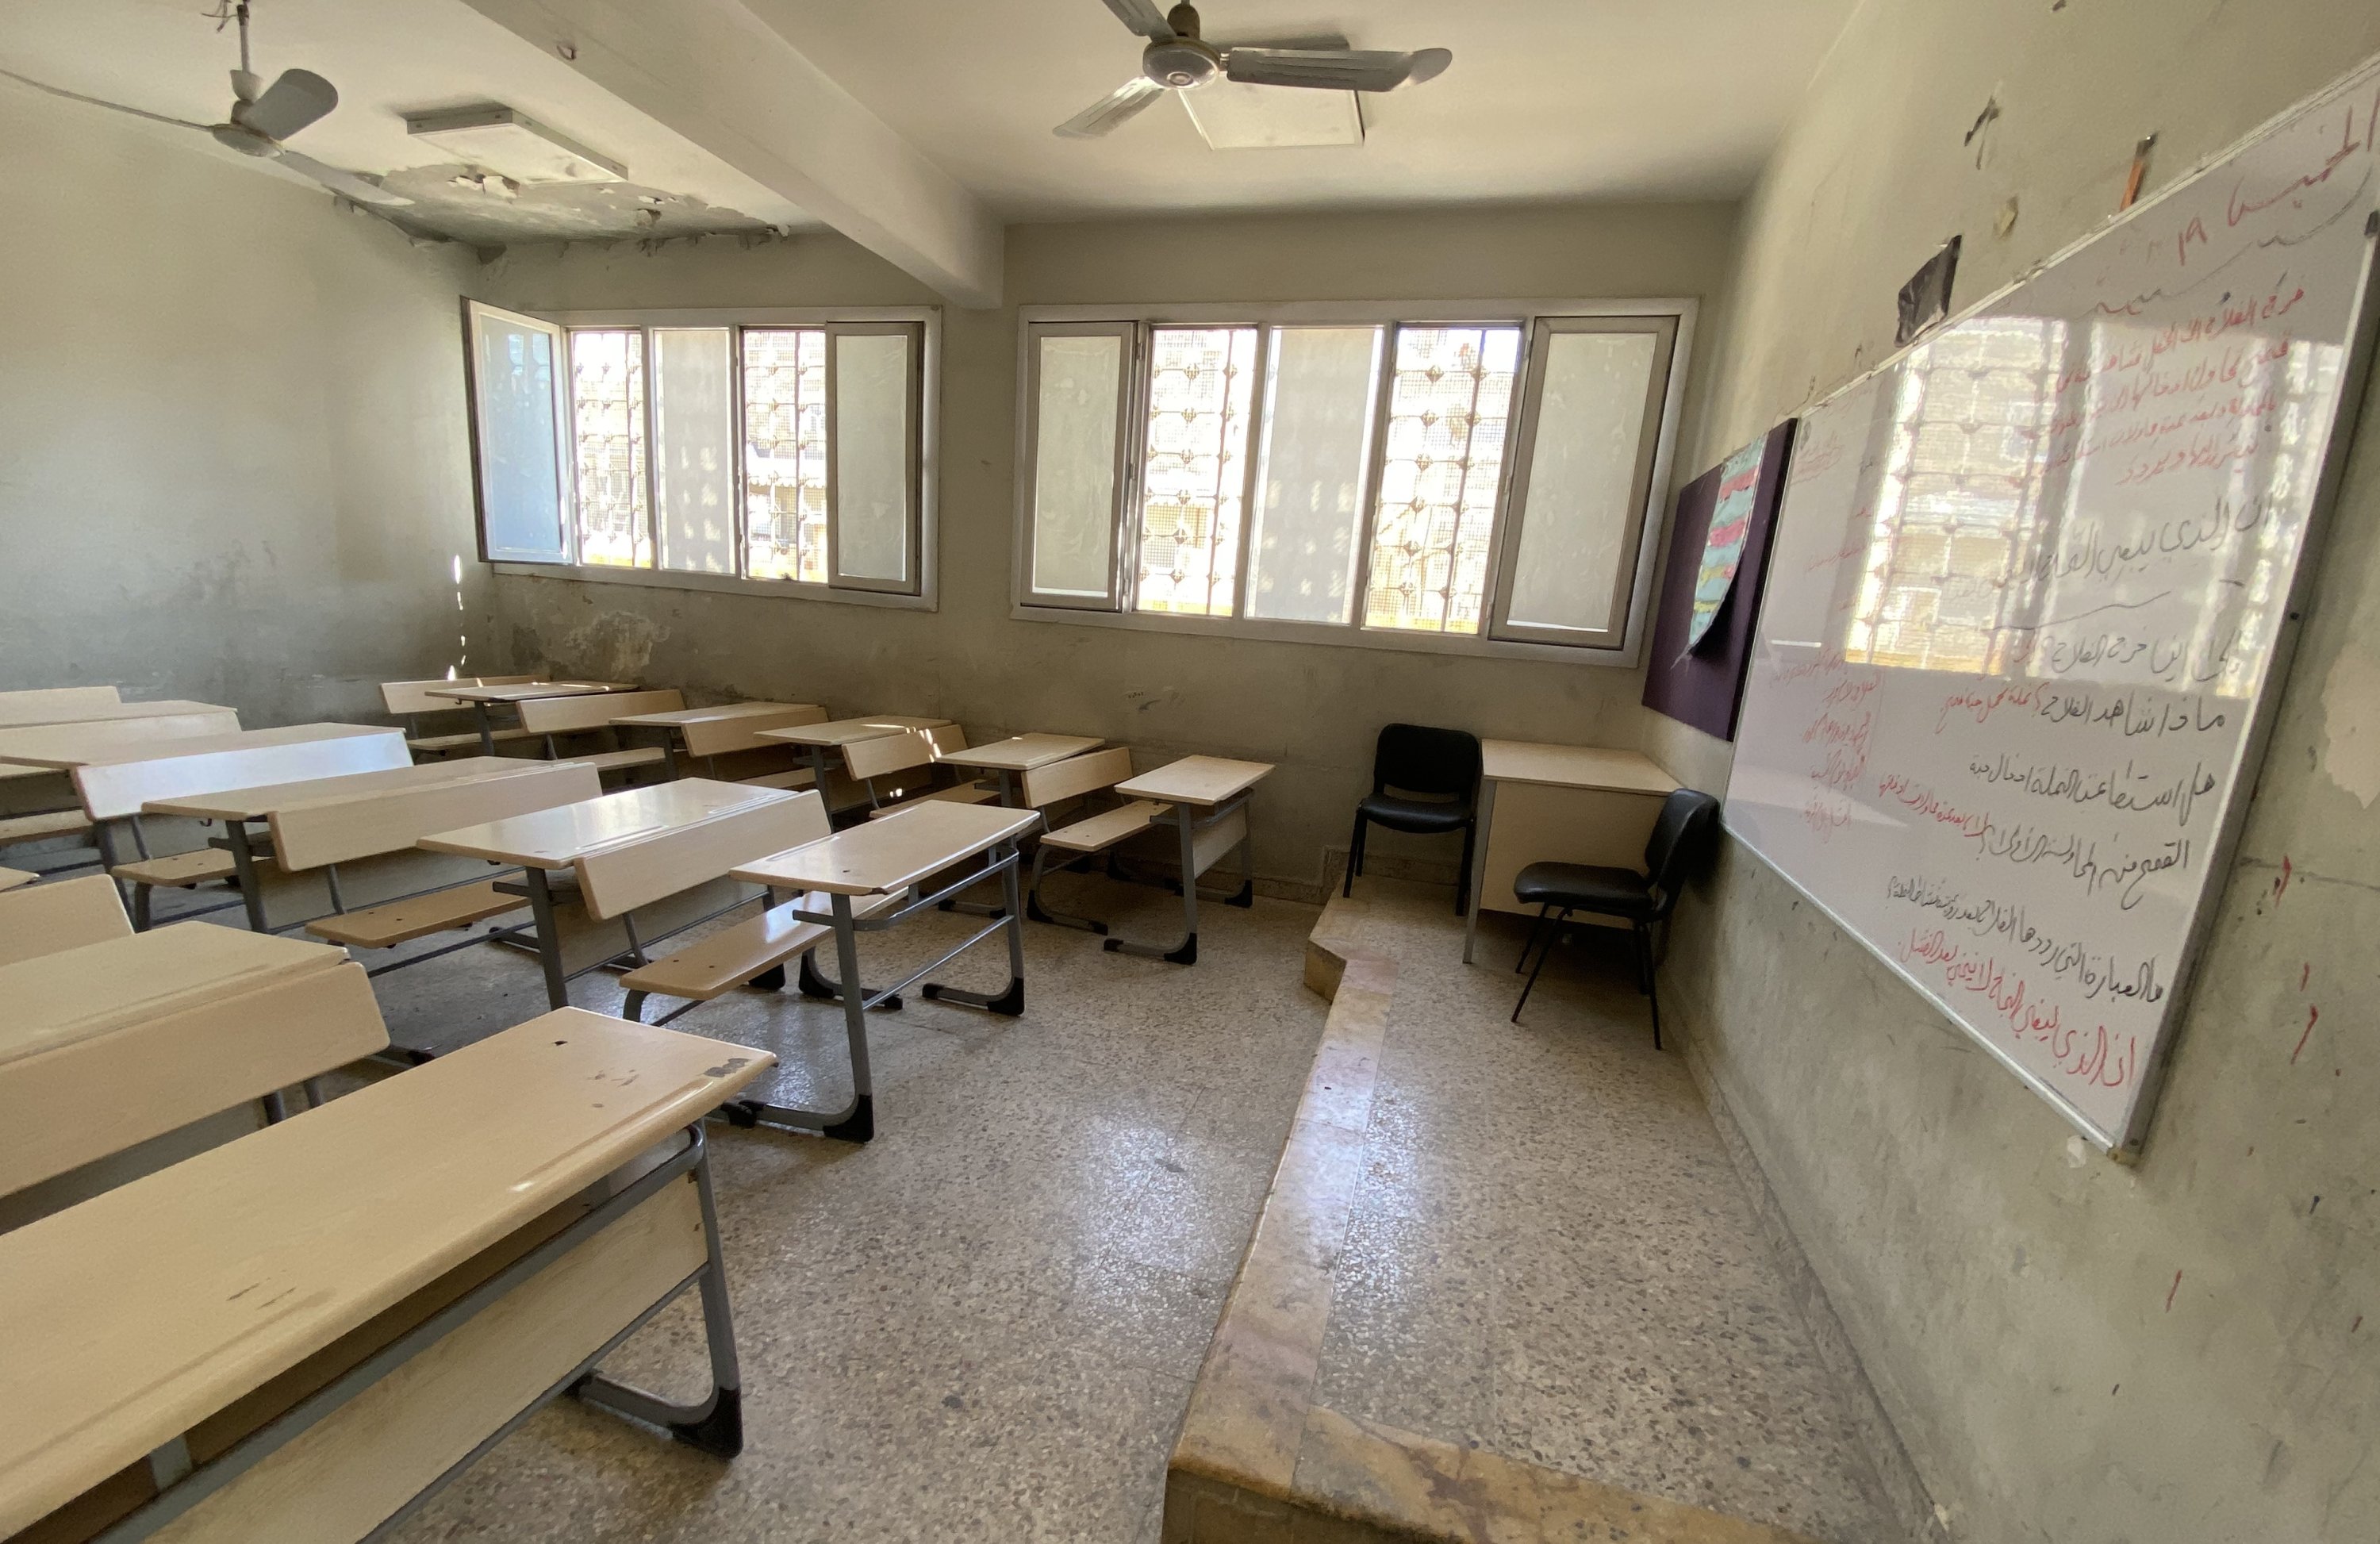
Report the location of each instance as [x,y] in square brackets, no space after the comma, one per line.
[1354,855]
[1643,940]
[1536,930]
[1543,955]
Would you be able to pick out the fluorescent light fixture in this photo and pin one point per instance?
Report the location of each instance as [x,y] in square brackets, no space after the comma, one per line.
[495,137]
[1233,115]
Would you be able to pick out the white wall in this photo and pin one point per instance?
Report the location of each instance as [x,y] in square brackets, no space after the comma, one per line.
[233,454]
[2072,1351]
[1311,708]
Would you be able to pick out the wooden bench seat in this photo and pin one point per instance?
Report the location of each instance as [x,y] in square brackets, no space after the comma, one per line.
[46,918]
[797,777]
[398,922]
[439,744]
[758,947]
[616,760]
[1104,830]
[962,793]
[182,869]
[34,828]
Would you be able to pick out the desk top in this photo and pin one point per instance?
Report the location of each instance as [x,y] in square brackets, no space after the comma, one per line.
[884,856]
[163,1301]
[11,878]
[114,786]
[258,803]
[1573,766]
[851,731]
[722,713]
[69,752]
[525,690]
[558,837]
[17,715]
[40,746]
[1199,781]
[75,993]
[1023,752]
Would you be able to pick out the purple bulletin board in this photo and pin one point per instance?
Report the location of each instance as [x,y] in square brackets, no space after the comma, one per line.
[1704,686]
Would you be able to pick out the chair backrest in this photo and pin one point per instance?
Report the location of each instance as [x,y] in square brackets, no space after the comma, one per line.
[619,879]
[1680,834]
[1077,774]
[594,709]
[1425,760]
[64,914]
[910,748]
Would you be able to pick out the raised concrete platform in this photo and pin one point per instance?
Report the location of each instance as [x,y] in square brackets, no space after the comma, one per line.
[1506,1284]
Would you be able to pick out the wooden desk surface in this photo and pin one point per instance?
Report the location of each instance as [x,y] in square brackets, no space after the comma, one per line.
[75,993]
[256,804]
[119,785]
[558,837]
[163,1301]
[11,878]
[882,856]
[851,731]
[1573,766]
[17,715]
[526,690]
[69,754]
[1197,781]
[54,704]
[722,713]
[55,746]
[1023,752]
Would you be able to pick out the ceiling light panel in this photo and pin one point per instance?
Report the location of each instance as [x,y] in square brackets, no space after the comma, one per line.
[497,139]
[1232,116]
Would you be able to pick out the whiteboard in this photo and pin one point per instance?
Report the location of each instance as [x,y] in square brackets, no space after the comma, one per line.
[2030,583]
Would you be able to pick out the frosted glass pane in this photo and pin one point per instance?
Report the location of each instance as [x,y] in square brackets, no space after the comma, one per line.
[1074,465]
[871,455]
[1317,439]
[1581,477]
[521,459]
[694,449]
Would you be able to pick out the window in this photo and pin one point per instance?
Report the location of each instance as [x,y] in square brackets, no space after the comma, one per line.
[783,449]
[1321,474]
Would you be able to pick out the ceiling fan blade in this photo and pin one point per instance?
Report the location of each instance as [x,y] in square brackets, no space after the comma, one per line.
[296,99]
[1143,17]
[1116,107]
[346,184]
[99,102]
[1334,69]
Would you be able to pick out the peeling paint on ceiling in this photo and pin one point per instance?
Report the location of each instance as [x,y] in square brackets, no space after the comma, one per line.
[455,201]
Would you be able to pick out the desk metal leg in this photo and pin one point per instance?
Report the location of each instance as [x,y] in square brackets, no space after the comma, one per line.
[1479,865]
[1011,1001]
[549,938]
[487,730]
[1186,950]
[243,862]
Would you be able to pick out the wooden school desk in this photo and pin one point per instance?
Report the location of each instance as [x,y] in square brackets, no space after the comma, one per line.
[27,787]
[1208,796]
[832,735]
[27,715]
[1558,804]
[483,697]
[559,838]
[301,1333]
[320,823]
[889,858]
[1010,758]
[11,878]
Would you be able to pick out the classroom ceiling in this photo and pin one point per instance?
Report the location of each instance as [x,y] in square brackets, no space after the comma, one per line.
[1545,99]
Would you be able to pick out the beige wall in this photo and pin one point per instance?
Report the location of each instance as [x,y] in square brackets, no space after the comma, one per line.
[233,458]
[1312,709]
[2072,1351]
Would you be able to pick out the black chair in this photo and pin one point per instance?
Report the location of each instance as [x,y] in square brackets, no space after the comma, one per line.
[1684,828]
[1442,762]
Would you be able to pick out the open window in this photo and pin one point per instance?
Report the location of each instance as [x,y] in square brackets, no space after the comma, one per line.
[520,454]
[1074,470]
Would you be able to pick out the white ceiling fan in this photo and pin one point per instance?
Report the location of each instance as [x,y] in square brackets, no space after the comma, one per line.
[262,118]
[1178,59]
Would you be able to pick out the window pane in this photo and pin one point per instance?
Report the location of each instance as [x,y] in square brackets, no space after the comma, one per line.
[784,453]
[871,455]
[1200,381]
[694,457]
[520,454]
[1444,453]
[1317,441]
[1074,463]
[1590,430]
[607,407]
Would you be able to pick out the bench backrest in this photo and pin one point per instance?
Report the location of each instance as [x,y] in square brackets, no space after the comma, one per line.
[339,829]
[910,748]
[101,736]
[112,1043]
[563,715]
[403,698]
[64,914]
[112,789]
[619,879]
[724,737]
[1077,774]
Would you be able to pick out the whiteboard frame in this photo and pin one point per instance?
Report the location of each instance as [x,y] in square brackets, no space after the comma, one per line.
[2364,322]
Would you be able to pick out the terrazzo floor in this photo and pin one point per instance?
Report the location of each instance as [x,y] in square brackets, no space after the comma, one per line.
[1551,1255]
[983,1324]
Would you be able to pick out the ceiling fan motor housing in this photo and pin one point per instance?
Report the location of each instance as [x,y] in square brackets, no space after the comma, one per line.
[1182,64]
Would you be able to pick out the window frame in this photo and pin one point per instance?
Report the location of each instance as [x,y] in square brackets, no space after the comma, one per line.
[1490,642]
[1124,491]
[924,462]
[565,464]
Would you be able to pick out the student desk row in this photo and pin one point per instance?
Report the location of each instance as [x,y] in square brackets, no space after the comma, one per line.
[307,1330]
